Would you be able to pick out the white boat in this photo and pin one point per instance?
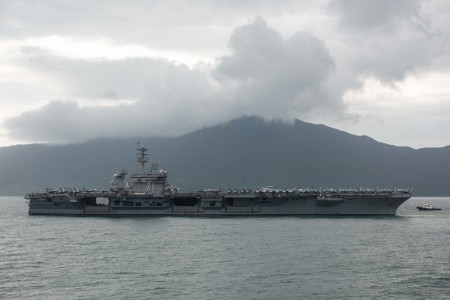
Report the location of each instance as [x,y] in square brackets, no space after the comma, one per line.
[427,206]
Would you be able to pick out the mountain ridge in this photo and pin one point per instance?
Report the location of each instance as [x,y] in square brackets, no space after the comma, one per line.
[247,152]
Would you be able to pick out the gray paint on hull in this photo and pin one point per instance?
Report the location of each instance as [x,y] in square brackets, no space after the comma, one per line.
[363,205]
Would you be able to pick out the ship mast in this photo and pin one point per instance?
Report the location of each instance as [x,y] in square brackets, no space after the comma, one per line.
[141,156]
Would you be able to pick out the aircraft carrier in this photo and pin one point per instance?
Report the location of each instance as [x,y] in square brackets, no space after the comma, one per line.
[147,193]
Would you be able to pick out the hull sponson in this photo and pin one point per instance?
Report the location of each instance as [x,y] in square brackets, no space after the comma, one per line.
[220,205]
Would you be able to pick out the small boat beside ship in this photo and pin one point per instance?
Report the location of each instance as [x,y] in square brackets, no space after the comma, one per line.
[147,193]
[427,207]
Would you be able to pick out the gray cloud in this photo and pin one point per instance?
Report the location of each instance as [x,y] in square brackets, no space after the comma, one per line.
[171,100]
[284,73]
[276,76]
[376,14]
[160,24]
[125,79]
[388,40]
[264,75]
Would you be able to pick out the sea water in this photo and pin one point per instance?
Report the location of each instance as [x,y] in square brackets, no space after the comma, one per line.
[50,257]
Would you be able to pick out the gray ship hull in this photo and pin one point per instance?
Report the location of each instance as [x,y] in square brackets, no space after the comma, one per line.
[223,205]
[148,194]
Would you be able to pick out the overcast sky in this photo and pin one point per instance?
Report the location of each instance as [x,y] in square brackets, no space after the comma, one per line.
[72,71]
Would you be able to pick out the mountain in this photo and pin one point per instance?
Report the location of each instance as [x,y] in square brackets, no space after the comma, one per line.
[246,152]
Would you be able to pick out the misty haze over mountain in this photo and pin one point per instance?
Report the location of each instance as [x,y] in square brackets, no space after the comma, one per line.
[244,153]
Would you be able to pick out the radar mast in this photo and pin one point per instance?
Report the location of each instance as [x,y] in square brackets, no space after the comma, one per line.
[141,156]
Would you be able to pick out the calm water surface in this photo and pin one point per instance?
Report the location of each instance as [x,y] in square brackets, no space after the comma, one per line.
[403,257]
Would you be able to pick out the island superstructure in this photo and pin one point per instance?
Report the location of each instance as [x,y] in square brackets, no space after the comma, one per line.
[147,193]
